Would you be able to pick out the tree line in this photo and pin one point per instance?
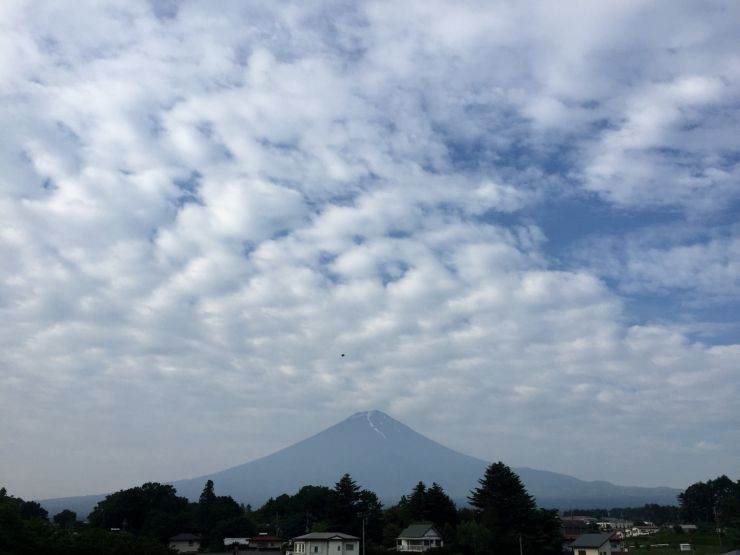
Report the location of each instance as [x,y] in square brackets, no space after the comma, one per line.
[500,518]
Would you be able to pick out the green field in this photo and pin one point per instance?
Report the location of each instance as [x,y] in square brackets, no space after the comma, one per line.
[702,544]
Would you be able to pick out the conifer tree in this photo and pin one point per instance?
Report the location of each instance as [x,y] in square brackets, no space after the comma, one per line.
[504,507]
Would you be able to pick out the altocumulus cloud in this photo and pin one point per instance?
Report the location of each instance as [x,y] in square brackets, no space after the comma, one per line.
[204,204]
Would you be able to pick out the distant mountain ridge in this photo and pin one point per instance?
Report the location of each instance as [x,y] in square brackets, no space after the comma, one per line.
[389,458]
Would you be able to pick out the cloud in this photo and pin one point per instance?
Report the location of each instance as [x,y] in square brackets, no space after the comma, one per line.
[203,206]
[704,267]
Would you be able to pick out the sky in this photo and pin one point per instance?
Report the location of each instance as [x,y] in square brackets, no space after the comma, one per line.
[225,226]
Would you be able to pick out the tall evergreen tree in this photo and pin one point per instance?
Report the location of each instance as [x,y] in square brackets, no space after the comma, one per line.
[441,509]
[418,502]
[504,507]
[705,501]
[345,510]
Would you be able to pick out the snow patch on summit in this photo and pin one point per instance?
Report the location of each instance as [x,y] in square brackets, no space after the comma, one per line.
[372,425]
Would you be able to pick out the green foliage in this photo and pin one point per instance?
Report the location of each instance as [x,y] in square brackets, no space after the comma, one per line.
[155,510]
[152,509]
[65,519]
[351,506]
[370,509]
[715,500]
[32,509]
[344,514]
[473,537]
[422,505]
[503,506]
[218,514]
[440,509]
[30,536]
[290,516]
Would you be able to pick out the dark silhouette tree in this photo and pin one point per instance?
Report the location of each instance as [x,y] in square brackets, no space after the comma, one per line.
[417,502]
[705,501]
[509,513]
[344,515]
[717,502]
[65,519]
[218,514]
[371,511]
[151,509]
[440,508]
[473,537]
[352,506]
[32,509]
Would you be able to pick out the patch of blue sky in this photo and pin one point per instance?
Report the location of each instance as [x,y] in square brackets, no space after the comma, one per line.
[398,234]
[510,157]
[154,125]
[713,325]
[280,233]
[342,32]
[189,189]
[164,9]
[326,259]
[391,273]
[568,220]
[248,247]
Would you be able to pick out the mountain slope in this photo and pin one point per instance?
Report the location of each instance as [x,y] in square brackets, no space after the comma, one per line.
[379,452]
[389,458]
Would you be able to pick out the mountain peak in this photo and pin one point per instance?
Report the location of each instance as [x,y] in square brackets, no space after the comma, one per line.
[370,413]
[389,458]
[375,419]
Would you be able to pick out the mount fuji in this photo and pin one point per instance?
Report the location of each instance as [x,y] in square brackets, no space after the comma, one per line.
[389,458]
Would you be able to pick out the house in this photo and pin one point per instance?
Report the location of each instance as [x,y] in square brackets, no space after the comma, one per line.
[265,544]
[647,530]
[615,541]
[574,527]
[185,543]
[418,538]
[334,543]
[236,545]
[592,544]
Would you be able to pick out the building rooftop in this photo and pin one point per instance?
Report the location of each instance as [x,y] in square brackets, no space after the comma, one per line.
[591,540]
[417,530]
[326,536]
[185,538]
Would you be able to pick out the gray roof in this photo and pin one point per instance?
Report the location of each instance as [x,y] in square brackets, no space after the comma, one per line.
[185,537]
[591,540]
[326,536]
[418,530]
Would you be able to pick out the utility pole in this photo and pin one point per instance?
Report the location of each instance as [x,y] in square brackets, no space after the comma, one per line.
[520,545]
[716,522]
[363,533]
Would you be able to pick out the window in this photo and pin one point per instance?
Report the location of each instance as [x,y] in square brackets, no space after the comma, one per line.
[300,547]
[349,547]
[315,548]
[581,552]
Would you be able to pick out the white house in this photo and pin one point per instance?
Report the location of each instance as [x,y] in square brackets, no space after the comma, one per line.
[185,543]
[326,543]
[592,544]
[418,538]
[636,531]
